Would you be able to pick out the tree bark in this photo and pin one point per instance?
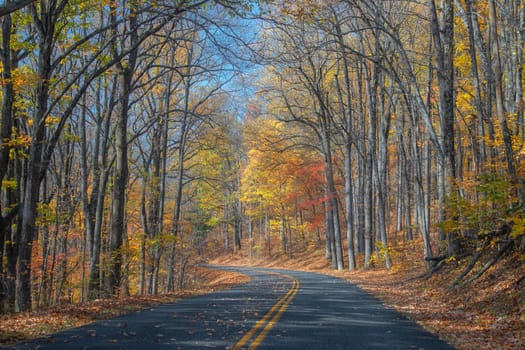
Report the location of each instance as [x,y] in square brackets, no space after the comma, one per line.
[348,142]
[498,87]
[121,172]
[6,125]
[35,165]
[170,281]
[443,38]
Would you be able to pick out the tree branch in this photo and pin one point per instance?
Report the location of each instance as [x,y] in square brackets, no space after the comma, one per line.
[12,6]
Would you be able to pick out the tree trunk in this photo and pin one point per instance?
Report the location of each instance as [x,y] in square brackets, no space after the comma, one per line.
[120,184]
[348,122]
[170,281]
[6,130]
[371,85]
[35,166]
[329,235]
[226,227]
[125,73]
[284,242]
[381,176]
[349,201]
[237,223]
[333,205]
[443,37]
[498,87]
[163,175]
[250,235]
[100,174]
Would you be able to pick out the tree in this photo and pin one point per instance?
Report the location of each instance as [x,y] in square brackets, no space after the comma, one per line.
[9,59]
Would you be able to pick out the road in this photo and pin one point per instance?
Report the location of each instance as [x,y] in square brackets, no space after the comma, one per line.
[277,309]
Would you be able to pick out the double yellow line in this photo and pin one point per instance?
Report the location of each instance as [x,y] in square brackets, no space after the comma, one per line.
[270,319]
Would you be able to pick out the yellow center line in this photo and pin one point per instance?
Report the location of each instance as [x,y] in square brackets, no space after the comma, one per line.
[275,318]
[273,315]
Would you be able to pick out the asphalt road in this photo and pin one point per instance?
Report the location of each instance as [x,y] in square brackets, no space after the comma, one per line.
[277,309]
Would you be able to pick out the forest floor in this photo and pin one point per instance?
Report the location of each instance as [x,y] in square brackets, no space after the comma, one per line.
[488,313]
[18,327]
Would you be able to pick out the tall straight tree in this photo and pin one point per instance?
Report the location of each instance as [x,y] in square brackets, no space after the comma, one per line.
[125,70]
[187,82]
[8,209]
[104,95]
[348,122]
[497,67]
[45,22]
[443,38]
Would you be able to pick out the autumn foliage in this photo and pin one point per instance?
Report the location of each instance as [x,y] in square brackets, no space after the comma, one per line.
[138,138]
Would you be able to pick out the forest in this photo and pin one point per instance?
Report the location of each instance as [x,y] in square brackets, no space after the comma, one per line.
[140,136]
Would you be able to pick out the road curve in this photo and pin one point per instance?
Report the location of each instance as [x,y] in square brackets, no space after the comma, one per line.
[277,309]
